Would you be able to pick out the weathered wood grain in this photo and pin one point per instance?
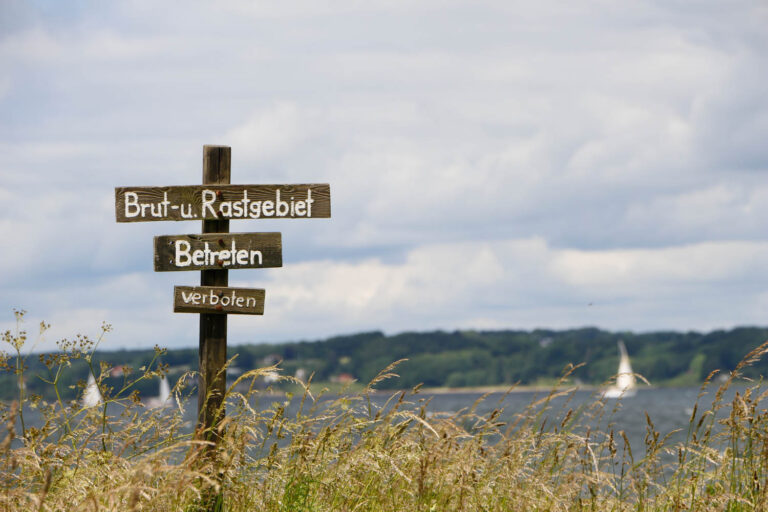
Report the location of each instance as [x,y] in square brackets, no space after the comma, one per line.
[213,328]
[218,251]
[218,201]
[218,300]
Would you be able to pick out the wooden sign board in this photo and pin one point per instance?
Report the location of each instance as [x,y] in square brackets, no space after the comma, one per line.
[221,202]
[222,251]
[218,299]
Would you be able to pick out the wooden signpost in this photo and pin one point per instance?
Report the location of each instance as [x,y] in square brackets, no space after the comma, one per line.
[217,299]
[219,201]
[215,251]
[218,251]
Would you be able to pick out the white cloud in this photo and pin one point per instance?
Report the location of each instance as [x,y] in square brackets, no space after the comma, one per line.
[496,165]
[513,283]
[35,45]
[522,283]
[271,132]
[710,263]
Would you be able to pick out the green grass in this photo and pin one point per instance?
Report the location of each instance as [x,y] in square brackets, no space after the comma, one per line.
[348,454]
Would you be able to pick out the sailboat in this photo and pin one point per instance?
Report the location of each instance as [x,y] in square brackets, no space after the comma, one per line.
[625,377]
[91,395]
[161,400]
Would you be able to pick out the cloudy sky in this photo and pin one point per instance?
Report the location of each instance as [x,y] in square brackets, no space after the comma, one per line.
[492,164]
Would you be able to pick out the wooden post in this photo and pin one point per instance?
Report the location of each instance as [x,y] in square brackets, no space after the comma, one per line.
[183,252]
[213,328]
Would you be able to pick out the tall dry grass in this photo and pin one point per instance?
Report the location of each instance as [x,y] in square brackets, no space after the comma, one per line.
[345,453]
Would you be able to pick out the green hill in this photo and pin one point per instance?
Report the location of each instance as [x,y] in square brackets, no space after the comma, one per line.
[481,358]
[459,358]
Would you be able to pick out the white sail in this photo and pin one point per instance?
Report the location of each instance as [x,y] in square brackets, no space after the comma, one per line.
[165,390]
[162,399]
[625,377]
[91,395]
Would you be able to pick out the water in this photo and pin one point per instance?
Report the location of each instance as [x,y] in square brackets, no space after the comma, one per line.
[668,408]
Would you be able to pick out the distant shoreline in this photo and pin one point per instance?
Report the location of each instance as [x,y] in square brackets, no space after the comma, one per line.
[479,390]
[505,389]
[470,390]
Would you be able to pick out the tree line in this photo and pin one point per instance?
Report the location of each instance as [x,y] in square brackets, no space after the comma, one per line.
[449,359]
